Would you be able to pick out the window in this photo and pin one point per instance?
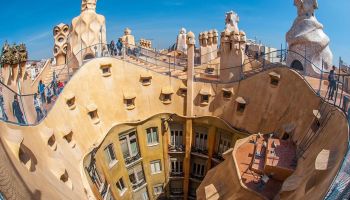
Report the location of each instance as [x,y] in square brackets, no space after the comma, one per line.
[71,102]
[198,170]
[130,102]
[106,69]
[201,141]
[240,107]
[176,166]
[205,99]
[121,186]
[176,136]
[167,97]
[176,187]
[110,155]
[156,167]
[226,94]
[137,177]
[274,81]
[146,81]
[152,136]
[224,143]
[241,103]
[129,147]
[94,116]
[158,189]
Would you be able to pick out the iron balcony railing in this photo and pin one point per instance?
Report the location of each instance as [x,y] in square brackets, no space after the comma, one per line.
[131,160]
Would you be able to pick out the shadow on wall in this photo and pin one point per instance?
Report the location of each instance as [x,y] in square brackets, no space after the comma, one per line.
[12,184]
[26,156]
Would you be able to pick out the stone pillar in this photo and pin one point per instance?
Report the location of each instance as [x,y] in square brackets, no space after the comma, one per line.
[165,140]
[232,56]
[211,145]
[187,159]
[191,41]
[60,33]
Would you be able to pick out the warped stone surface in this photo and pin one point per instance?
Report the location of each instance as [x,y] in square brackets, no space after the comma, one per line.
[307,39]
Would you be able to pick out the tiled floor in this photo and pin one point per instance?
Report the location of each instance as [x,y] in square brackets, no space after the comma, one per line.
[244,156]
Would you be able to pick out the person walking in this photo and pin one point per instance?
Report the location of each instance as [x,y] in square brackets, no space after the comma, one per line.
[17,112]
[41,91]
[37,105]
[332,83]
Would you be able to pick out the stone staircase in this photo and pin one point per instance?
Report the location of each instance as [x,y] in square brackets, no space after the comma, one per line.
[60,70]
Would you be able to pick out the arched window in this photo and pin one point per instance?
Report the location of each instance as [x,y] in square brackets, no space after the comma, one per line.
[89,56]
[296,64]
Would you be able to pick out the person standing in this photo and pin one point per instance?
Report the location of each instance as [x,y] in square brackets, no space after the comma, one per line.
[119,46]
[37,105]
[17,112]
[54,83]
[332,83]
[41,91]
[112,48]
[2,107]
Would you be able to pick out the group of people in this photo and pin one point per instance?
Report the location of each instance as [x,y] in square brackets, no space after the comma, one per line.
[46,94]
[116,49]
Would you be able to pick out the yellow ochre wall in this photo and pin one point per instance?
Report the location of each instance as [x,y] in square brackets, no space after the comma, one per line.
[268,109]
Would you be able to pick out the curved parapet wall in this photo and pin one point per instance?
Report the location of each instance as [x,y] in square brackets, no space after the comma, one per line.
[96,99]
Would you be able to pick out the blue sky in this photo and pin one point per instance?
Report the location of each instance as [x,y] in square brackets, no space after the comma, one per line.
[267,20]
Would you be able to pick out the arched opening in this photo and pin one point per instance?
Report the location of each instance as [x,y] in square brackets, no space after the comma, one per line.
[89,56]
[296,64]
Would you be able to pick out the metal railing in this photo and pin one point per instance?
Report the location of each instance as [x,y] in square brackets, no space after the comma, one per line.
[31,116]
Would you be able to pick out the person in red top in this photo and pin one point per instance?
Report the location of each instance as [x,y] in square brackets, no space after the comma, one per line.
[60,86]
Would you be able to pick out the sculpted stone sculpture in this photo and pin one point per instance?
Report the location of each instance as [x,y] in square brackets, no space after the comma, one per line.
[231,21]
[181,41]
[88,5]
[306,37]
[88,32]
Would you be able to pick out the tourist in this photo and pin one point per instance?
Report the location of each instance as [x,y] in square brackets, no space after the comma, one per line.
[119,46]
[41,91]
[332,83]
[60,86]
[112,48]
[2,108]
[37,105]
[54,83]
[48,96]
[17,112]
[33,73]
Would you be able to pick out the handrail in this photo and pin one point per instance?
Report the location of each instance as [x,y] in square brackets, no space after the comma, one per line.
[264,65]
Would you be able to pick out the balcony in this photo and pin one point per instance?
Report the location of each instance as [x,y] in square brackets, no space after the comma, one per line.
[176,192]
[176,149]
[217,158]
[131,160]
[139,185]
[197,178]
[191,196]
[177,174]
[199,152]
